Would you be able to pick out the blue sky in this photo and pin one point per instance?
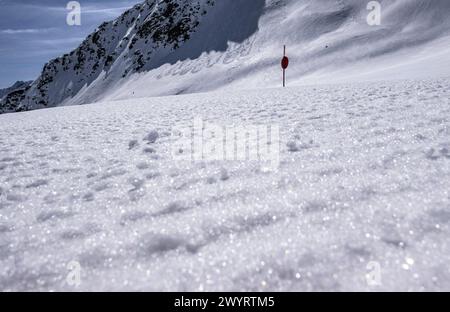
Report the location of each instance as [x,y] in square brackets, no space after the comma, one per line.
[34,31]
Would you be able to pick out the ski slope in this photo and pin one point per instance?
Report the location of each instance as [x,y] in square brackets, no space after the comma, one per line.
[363,178]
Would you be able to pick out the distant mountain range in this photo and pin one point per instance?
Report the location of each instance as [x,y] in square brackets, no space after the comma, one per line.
[17,86]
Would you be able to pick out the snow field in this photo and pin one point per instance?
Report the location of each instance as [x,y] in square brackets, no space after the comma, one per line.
[363,177]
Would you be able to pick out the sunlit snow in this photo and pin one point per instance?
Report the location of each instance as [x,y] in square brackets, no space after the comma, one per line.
[363,179]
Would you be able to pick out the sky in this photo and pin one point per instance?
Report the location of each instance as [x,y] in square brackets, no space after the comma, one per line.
[32,32]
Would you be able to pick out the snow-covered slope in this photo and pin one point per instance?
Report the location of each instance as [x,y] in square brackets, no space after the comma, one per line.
[167,47]
[363,178]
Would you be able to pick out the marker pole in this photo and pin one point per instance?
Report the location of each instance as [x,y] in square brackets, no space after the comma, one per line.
[284,69]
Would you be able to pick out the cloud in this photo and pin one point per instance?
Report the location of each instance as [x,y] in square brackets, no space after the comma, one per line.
[32,32]
[107,11]
[25,31]
[59,41]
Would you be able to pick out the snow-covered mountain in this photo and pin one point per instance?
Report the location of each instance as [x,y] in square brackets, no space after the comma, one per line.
[166,47]
[18,85]
[129,44]
[9,97]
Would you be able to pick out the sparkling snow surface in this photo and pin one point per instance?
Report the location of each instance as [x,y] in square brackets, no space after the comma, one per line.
[364,177]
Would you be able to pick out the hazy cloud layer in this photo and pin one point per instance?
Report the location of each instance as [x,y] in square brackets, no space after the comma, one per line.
[34,31]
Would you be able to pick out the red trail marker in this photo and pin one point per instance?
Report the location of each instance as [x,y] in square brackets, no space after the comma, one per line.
[284,65]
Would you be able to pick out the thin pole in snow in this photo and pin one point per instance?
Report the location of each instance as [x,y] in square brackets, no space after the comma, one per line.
[284,65]
[284,69]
